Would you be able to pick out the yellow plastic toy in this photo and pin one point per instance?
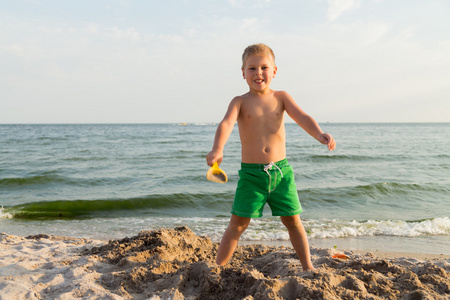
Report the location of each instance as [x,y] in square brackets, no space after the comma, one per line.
[215,174]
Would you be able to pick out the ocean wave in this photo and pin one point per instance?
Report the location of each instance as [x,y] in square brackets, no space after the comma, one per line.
[267,229]
[85,159]
[261,229]
[51,178]
[74,209]
[31,180]
[349,157]
[379,190]
[341,228]
[5,215]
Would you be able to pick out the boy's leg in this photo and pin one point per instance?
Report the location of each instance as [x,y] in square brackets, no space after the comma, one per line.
[299,239]
[230,238]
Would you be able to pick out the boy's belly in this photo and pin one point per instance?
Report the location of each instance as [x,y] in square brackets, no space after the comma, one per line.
[262,154]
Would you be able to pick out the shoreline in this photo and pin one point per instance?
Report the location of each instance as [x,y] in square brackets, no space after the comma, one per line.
[381,254]
[379,245]
[177,264]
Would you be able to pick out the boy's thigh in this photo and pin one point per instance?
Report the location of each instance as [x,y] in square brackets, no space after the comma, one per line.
[251,195]
[248,204]
[284,200]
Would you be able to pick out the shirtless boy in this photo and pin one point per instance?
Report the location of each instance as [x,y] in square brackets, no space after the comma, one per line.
[265,174]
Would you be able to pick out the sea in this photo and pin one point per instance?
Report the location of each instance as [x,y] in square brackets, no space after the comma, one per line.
[386,187]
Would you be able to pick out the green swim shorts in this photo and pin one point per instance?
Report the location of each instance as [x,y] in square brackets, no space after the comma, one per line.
[273,183]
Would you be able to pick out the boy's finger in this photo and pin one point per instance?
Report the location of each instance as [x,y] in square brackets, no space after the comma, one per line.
[331,145]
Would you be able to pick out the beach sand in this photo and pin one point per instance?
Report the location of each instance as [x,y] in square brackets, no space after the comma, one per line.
[177,264]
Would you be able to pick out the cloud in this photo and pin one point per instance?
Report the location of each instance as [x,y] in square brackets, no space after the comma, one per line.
[357,34]
[248,24]
[337,7]
[128,34]
[243,3]
[93,70]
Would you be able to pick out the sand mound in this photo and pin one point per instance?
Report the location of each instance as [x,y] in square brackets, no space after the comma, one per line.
[177,264]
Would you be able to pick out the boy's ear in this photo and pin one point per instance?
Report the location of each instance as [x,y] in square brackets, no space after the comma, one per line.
[274,71]
[243,72]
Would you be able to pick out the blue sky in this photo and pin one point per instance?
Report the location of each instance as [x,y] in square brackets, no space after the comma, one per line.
[179,61]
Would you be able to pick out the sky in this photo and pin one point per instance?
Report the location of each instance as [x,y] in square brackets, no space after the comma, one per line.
[130,61]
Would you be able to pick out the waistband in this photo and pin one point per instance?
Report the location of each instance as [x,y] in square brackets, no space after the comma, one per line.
[261,167]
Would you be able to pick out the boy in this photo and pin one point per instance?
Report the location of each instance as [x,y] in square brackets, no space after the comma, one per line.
[265,174]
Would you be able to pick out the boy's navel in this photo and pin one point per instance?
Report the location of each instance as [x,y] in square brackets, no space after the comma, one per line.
[266,149]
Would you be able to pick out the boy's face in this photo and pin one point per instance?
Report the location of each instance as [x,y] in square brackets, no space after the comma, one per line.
[258,71]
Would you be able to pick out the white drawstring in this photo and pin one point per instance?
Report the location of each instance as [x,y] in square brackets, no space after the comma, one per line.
[269,166]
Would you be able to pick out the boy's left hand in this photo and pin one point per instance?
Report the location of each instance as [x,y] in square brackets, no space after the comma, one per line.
[328,140]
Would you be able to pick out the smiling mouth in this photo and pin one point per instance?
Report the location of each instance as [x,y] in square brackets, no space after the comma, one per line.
[259,81]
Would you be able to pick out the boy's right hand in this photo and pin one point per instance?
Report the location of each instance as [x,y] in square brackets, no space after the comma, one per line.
[214,156]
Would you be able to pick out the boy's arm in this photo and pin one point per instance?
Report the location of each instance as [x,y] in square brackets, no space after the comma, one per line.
[307,122]
[223,132]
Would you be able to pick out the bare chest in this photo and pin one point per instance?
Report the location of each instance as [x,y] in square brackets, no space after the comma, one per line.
[261,111]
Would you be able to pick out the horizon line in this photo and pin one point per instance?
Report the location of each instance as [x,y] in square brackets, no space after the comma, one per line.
[215,123]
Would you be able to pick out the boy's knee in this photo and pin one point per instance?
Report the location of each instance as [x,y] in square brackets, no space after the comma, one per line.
[291,222]
[239,228]
[238,224]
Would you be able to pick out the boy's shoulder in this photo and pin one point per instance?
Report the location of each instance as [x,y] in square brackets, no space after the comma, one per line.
[281,96]
[284,97]
[241,98]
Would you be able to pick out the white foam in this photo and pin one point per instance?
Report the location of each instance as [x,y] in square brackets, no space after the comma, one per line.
[4,215]
[339,228]
[264,229]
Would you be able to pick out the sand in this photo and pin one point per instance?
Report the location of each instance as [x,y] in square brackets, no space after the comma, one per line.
[177,264]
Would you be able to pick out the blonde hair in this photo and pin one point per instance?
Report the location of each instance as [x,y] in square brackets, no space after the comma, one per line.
[258,49]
